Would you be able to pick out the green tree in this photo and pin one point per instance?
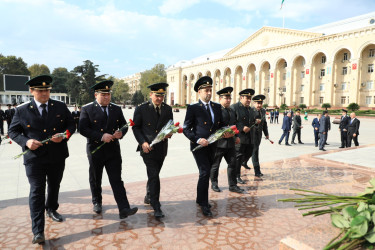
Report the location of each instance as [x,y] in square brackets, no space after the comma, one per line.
[283,106]
[265,105]
[38,69]
[154,75]
[326,106]
[138,98]
[61,76]
[302,106]
[12,65]
[86,77]
[120,91]
[353,106]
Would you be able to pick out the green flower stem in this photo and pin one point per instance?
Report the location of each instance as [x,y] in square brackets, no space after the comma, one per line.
[337,243]
[338,236]
[352,244]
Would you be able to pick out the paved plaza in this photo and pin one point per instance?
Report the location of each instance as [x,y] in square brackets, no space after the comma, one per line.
[253,220]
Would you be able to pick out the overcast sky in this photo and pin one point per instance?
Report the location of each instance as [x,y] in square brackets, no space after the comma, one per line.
[128,36]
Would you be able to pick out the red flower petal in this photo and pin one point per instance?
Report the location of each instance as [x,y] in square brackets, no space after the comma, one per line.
[131,122]
[177,124]
[180,130]
[10,142]
[233,127]
[67,134]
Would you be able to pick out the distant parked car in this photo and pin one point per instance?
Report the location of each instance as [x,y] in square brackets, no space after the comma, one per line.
[336,120]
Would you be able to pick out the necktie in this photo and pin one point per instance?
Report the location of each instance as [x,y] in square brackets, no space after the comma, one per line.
[105,113]
[158,112]
[209,112]
[44,111]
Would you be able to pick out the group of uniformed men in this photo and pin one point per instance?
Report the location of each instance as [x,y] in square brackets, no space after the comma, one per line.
[103,122]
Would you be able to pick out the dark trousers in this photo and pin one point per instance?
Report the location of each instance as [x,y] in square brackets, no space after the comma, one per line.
[298,133]
[229,155]
[204,159]
[271,119]
[322,140]
[350,138]
[344,138]
[316,137]
[113,168]
[277,119]
[243,154]
[286,136]
[2,127]
[77,124]
[38,174]
[154,162]
[255,158]
[8,123]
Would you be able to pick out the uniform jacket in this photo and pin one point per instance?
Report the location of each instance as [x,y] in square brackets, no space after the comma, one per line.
[147,125]
[315,124]
[329,122]
[244,117]
[276,113]
[353,128]
[287,124]
[2,115]
[92,125]
[344,122]
[324,123]
[297,122]
[28,124]
[197,122]
[257,129]
[8,115]
[76,114]
[229,119]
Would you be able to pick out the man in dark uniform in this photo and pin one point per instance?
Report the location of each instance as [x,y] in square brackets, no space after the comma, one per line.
[76,115]
[32,123]
[149,118]
[297,126]
[353,130]
[276,116]
[257,130]
[102,121]
[272,114]
[8,115]
[286,127]
[244,117]
[343,127]
[2,118]
[315,123]
[225,146]
[202,119]
[323,130]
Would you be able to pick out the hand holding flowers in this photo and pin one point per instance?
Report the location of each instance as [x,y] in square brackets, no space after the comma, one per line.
[166,132]
[224,132]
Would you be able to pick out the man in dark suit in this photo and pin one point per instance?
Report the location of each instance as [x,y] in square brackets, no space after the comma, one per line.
[353,130]
[316,125]
[257,131]
[286,127]
[225,146]
[8,115]
[102,121]
[2,118]
[323,130]
[203,119]
[244,120]
[276,116]
[149,118]
[272,114]
[343,127]
[32,123]
[297,126]
[76,115]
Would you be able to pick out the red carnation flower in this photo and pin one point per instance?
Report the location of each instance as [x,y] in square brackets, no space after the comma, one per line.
[180,130]
[177,124]
[68,134]
[131,122]
[233,127]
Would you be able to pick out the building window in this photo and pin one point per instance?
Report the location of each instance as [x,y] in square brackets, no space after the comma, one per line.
[343,99]
[321,100]
[303,62]
[369,85]
[324,59]
[284,76]
[321,87]
[370,68]
[302,74]
[302,88]
[343,86]
[284,89]
[285,64]
[302,100]
[322,73]
[345,57]
[368,99]
[372,53]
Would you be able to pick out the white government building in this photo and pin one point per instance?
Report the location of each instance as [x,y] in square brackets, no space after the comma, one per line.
[332,63]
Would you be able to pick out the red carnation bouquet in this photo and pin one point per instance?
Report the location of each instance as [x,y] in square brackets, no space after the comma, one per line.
[130,123]
[219,134]
[64,135]
[8,142]
[168,129]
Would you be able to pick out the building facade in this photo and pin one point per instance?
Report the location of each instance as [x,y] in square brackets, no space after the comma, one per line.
[333,63]
[133,81]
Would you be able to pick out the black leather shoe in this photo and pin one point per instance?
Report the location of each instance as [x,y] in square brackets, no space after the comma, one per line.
[279,142]
[206,211]
[216,188]
[341,147]
[301,142]
[127,212]
[258,175]
[288,144]
[236,189]
[326,144]
[209,205]
[54,215]
[323,149]
[147,200]
[239,180]
[97,208]
[38,238]
[158,213]
[246,166]
[293,142]
[316,145]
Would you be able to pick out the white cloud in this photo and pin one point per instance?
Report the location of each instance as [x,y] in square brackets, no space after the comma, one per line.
[176,6]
